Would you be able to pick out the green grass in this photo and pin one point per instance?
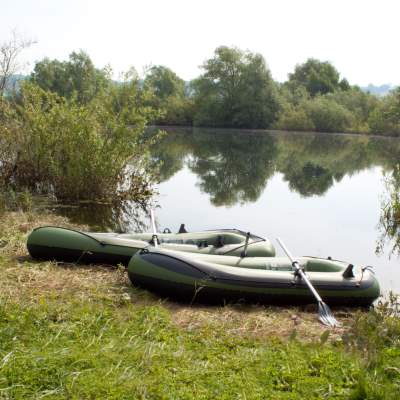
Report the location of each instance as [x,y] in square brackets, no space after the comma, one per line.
[83,332]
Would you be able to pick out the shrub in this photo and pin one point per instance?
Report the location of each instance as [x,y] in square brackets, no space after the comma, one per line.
[327,115]
[386,117]
[295,119]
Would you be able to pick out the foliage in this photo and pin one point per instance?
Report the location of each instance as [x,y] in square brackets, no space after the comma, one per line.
[236,90]
[359,104]
[169,96]
[317,77]
[320,114]
[389,222]
[94,151]
[294,118]
[327,115]
[76,77]
[386,117]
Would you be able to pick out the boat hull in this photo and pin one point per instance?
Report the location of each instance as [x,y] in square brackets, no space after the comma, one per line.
[200,279]
[68,245]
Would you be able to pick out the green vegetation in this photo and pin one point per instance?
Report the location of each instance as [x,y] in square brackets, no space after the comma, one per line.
[70,331]
[236,90]
[317,78]
[76,77]
[71,132]
[75,151]
[169,96]
[390,216]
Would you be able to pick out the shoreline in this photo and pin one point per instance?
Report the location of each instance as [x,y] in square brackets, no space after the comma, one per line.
[177,128]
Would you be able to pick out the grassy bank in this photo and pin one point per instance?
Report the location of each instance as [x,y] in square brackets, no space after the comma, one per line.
[69,331]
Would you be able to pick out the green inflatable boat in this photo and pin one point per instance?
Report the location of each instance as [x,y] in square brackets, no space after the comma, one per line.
[62,244]
[210,279]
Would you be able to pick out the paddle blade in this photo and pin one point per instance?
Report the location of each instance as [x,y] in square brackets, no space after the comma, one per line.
[326,316]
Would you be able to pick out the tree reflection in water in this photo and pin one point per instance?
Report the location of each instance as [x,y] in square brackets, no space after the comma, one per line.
[234,166]
[389,222]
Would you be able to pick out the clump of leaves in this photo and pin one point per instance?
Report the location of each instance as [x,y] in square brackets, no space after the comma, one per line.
[95,151]
[376,332]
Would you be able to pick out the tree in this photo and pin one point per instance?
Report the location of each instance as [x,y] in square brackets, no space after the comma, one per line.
[9,58]
[169,92]
[317,77]
[385,118]
[236,90]
[164,82]
[77,76]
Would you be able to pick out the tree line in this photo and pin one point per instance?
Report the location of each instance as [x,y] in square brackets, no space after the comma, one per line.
[236,90]
[72,130]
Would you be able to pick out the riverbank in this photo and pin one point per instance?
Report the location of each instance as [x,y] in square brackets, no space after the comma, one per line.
[84,331]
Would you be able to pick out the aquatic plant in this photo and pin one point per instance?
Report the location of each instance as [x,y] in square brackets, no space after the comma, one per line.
[389,222]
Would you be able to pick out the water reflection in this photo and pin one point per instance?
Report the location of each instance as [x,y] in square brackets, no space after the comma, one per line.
[389,222]
[124,217]
[234,167]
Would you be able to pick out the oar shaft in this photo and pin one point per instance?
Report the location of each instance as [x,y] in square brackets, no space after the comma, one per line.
[296,265]
[307,281]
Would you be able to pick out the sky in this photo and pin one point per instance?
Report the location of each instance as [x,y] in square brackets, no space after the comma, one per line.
[360,37]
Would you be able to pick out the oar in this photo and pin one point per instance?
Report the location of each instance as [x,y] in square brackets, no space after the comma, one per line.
[325,314]
[153,223]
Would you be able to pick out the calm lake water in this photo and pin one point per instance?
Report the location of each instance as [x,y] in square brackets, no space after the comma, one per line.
[321,193]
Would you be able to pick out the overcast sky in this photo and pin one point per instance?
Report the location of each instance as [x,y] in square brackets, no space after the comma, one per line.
[360,37]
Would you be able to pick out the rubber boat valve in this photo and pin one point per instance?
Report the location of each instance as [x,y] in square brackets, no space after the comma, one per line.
[154,240]
[348,272]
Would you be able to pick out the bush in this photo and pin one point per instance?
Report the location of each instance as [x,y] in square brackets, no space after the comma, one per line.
[386,117]
[327,115]
[94,151]
[295,119]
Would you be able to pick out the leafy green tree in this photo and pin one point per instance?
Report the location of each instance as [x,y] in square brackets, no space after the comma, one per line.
[385,118]
[317,77]
[170,96]
[360,104]
[75,77]
[236,90]
[165,82]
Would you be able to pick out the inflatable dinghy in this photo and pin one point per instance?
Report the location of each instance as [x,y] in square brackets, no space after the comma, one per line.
[62,244]
[223,278]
